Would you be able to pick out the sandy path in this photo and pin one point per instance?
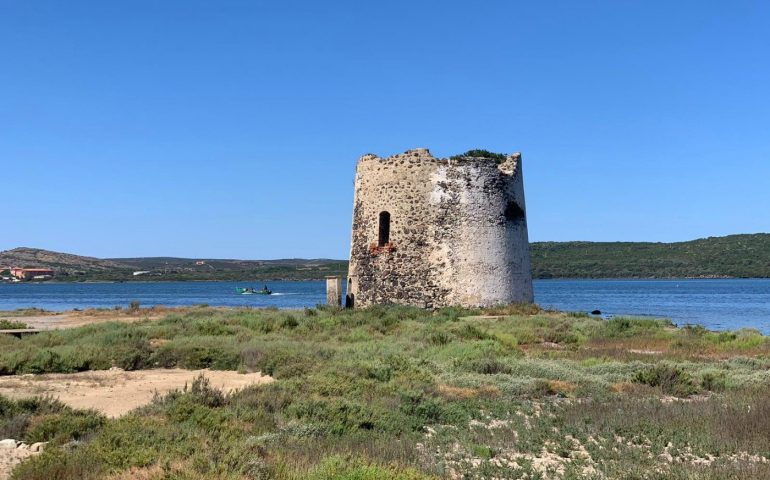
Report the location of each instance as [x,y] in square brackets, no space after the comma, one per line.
[115,392]
[56,321]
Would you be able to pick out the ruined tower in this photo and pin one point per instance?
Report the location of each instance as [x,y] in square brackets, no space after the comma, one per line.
[432,232]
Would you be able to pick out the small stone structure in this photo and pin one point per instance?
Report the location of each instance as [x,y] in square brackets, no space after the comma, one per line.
[334,291]
[433,232]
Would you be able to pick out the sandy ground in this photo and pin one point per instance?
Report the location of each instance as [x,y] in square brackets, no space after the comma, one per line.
[115,392]
[72,319]
[9,458]
[77,318]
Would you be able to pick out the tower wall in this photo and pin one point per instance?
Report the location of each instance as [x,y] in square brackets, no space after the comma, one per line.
[457,236]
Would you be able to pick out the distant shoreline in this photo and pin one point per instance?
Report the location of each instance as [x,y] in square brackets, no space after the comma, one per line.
[733,256]
[261,280]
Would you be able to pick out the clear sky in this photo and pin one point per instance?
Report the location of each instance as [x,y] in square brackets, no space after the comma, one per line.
[231,128]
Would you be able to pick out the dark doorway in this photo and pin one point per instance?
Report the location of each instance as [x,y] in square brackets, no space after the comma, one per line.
[384,237]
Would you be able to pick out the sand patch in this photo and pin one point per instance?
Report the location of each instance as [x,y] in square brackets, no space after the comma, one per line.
[115,392]
[42,320]
[9,458]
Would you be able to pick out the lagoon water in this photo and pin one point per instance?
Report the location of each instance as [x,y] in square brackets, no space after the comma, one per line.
[715,304]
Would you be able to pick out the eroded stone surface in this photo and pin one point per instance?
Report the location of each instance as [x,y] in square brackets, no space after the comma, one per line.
[457,232]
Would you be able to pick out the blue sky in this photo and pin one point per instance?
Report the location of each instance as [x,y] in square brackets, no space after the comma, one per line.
[231,128]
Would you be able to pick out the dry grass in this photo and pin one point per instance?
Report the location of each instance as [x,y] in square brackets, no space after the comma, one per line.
[562,387]
[623,387]
[465,393]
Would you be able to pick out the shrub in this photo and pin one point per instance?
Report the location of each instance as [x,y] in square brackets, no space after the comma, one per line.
[218,353]
[337,416]
[289,322]
[472,332]
[378,371]
[439,338]
[479,153]
[275,361]
[63,427]
[672,380]
[714,381]
[482,451]
[42,405]
[514,309]
[212,327]
[694,330]
[15,426]
[341,468]
[422,409]
[55,463]
[488,366]
[204,394]
[623,327]
[12,325]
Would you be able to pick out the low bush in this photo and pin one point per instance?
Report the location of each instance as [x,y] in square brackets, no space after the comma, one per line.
[479,153]
[12,325]
[670,379]
[64,427]
[342,468]
[488,366]
[45,419]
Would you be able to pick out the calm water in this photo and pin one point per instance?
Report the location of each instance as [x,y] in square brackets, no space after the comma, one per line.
[716,304]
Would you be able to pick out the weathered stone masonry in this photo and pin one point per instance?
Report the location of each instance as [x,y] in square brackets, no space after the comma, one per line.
[432,232]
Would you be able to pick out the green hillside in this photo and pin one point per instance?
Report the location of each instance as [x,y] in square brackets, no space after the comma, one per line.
[742,256]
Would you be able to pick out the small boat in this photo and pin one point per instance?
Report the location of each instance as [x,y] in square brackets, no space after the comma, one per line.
[253,291]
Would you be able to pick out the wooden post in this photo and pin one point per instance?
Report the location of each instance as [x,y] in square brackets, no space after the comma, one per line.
[334,291]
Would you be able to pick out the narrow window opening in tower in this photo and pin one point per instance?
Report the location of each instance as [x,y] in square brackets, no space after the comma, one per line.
[384,237]
[514,213]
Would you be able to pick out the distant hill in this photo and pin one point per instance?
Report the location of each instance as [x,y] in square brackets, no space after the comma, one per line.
[741,256]
[68,267]
[36,257]
[232,269]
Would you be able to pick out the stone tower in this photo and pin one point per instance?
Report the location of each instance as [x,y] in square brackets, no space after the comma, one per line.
[433,232]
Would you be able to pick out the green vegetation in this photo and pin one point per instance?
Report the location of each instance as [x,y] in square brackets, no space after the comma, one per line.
[478,153]
[743,256]
[46,419]
[11,325]
[408,394]
[243,271]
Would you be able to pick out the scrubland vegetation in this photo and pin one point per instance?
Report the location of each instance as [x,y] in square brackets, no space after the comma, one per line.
[11,324]
[401,393]
[740,256]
